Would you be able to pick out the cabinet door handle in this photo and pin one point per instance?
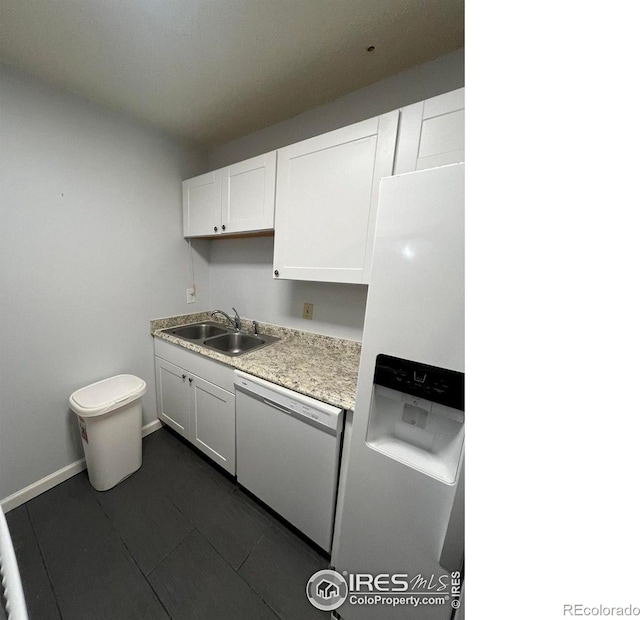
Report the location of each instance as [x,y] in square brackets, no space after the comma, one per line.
[215,229]
[276,273]
[184,377]
[224,227]
[190,380]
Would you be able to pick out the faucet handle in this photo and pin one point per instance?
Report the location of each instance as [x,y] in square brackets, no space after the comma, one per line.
[255,327]
[237,318]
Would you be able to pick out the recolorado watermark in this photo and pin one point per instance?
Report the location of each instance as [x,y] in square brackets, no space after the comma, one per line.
[327,589]
[578,609]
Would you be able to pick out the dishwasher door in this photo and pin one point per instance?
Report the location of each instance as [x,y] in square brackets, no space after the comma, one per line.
[288,454]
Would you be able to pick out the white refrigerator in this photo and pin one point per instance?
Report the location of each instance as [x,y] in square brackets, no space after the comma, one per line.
[400,519]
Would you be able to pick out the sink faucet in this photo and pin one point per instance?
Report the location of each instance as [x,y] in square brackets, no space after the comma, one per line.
[235,321]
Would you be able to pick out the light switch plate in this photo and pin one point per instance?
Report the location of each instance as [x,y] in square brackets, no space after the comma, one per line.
[191,296]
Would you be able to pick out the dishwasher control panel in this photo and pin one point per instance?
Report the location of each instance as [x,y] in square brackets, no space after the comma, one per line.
[290,402]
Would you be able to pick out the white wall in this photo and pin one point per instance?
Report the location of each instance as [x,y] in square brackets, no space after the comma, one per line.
[241,274]
[241,270]
[421,82]
[90,251]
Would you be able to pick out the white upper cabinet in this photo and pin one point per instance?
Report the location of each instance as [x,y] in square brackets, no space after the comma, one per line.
[326,201]
[248,194]
[324,190]
[236,199]
[201,205]
[431,133]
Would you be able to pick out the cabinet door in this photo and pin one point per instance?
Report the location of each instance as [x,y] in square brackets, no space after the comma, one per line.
[214,423]
[201,204]
[326,201]
[431,133]
[173,396]
[248,194]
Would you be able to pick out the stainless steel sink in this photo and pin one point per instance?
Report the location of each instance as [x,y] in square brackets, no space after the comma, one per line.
[221,339]
[197,331]
[236,343]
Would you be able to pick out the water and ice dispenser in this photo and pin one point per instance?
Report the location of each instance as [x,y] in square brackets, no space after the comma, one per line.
[417,416]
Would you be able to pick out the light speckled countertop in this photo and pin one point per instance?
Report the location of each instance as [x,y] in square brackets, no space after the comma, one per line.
[318,366]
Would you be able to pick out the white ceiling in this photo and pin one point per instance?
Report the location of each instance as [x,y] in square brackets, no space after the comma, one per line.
[214,70]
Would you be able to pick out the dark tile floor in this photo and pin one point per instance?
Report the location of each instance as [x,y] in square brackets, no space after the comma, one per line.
[178,539]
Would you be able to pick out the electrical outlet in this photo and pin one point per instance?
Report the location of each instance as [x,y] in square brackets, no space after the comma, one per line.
[307,311]
[191,296]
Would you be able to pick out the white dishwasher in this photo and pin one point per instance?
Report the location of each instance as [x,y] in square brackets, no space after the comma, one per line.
[288,453]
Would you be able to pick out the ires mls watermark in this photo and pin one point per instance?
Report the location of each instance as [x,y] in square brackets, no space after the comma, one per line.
[327,589]
[600,610]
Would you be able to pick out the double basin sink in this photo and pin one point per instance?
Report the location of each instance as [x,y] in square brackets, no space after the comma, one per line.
[217,338]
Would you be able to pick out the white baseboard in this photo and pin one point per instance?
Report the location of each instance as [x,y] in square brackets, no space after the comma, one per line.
[48,482]
[57,477]
[152,427]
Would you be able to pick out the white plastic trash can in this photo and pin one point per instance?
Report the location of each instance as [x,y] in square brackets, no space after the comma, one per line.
[110,419]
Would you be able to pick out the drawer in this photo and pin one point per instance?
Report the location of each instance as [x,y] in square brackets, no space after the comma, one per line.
[210,370]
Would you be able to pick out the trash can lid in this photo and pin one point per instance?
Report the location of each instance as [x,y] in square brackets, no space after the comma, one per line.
[107,395]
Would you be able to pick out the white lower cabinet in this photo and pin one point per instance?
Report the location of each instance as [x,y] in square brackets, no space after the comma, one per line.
[197,408]
[214,423]
[173,396]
